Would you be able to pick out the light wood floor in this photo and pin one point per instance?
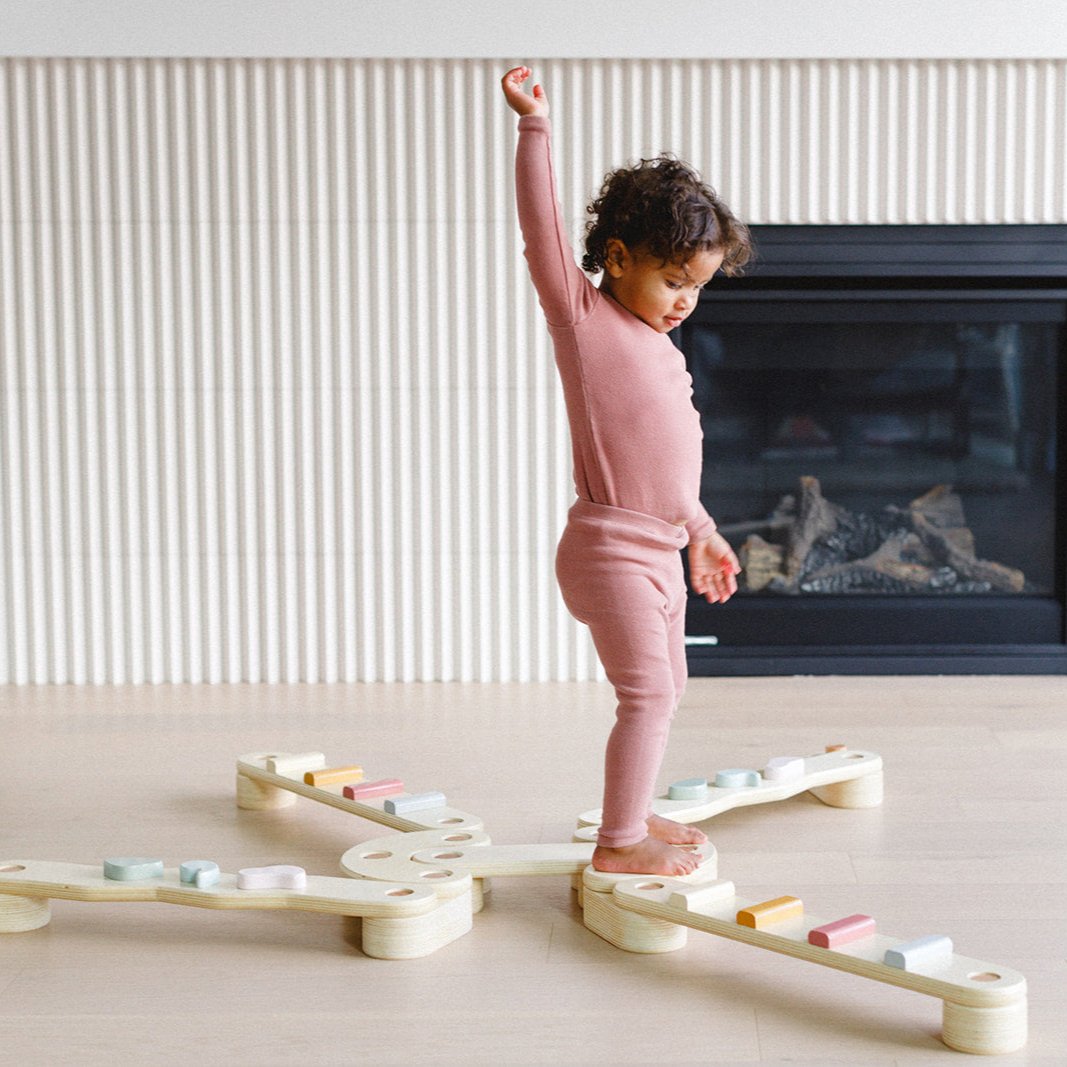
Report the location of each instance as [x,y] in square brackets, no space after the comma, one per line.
[971,842]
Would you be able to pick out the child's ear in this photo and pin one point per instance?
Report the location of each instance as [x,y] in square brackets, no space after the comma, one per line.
[616,257]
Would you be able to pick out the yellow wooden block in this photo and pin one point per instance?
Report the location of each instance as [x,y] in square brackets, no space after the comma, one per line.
[333,776]
[760,916]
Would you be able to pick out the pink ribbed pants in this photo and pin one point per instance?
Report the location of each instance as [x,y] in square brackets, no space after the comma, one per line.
[620,573]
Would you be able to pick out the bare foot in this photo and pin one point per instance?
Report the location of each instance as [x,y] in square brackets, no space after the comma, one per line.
[646,857]
[674,833]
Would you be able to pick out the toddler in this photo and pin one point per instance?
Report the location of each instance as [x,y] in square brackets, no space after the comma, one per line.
[659,235]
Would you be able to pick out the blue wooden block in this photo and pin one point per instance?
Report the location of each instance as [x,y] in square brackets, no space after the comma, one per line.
[414,802]
[688,789]
[920,954]
[132,868]
[201,873]
[737,779]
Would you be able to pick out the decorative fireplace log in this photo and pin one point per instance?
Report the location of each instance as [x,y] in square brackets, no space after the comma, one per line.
[925,547]
[761,562]
[816,517]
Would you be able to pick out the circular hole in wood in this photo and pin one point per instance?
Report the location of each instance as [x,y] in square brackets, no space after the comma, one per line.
[449,822]
[437,874]
[376,855]
[399,892]
[459,837]
[11,868]
[650,886]
[984,976]
[447,855]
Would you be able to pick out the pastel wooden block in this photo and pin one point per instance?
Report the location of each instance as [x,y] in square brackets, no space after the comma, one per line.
[836,748]
[297,765]
[333,776]
[688,897]
[784,768]
[923,953]
[384,787]
[688,789]
[737,778]
[132,868]
[277,876]
[842,931]
[201,873]
[770,913]
[414,802]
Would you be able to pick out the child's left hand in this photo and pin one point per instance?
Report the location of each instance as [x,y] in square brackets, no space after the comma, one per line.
[519,101]
[713,569]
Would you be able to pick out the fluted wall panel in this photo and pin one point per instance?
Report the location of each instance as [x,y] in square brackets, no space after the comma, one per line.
[276,399]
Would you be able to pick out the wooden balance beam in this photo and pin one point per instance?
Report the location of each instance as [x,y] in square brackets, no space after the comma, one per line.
[399,921]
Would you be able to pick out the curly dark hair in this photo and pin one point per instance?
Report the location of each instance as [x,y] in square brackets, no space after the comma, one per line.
[662,206]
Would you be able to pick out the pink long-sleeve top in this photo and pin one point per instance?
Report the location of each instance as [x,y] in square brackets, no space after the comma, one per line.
[635,434]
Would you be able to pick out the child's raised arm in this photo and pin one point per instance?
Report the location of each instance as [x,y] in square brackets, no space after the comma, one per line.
[566,294]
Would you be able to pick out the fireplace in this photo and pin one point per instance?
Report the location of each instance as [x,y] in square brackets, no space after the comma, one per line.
[883,411]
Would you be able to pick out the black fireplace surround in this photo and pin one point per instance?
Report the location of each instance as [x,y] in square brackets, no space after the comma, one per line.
[884,411]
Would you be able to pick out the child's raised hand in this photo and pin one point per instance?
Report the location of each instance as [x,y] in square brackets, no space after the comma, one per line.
[519,100]
[713,569]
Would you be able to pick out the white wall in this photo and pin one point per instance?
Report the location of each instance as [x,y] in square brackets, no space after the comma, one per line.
[276,400]
[683,29]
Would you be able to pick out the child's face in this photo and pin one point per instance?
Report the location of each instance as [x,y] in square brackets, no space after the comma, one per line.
[660,294]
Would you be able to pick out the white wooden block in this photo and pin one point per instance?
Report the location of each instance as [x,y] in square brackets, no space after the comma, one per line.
[296,766]
[934,950]
[688,789]
[689,897]
[784,768]
[277,876]
[414,802]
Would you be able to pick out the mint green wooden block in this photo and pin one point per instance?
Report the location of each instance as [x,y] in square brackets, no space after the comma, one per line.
[688,789]
[201,873]
[132,869]
[735,778]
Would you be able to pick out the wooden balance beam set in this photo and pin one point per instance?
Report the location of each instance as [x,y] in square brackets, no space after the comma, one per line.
[417,888]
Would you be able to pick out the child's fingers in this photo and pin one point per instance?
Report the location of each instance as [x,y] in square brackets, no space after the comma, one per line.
[515,77]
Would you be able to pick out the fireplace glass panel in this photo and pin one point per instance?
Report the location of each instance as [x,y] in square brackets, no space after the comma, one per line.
[911,440]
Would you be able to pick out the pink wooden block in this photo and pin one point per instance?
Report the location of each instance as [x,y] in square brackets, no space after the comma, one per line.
[385,787]
[841,932]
